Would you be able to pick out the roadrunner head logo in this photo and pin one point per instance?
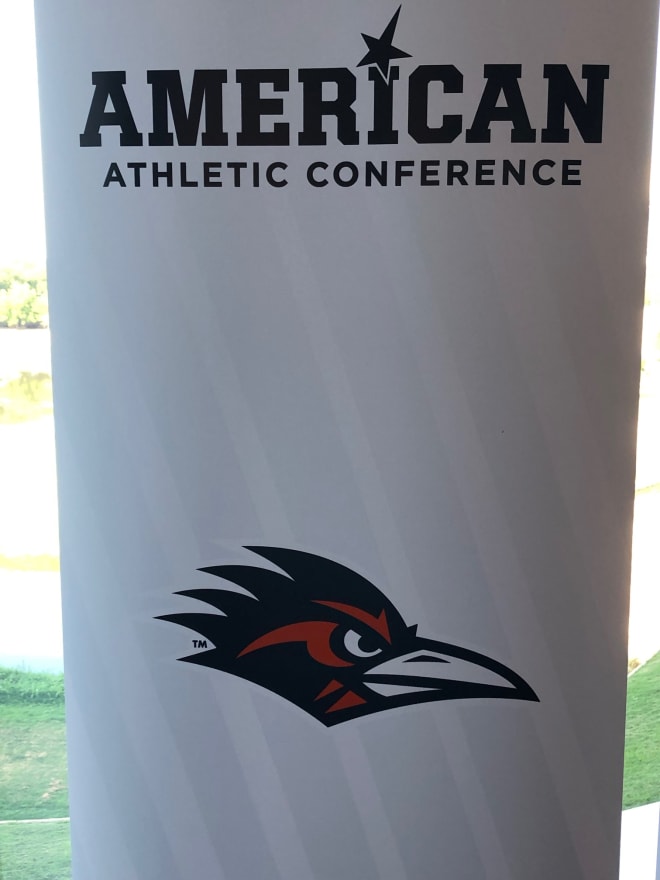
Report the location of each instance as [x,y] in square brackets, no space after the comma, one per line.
[326,639]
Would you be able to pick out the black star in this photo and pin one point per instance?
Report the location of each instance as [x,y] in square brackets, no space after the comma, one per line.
[381,51]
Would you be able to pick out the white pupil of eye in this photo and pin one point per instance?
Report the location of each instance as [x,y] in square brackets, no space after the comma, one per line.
[352,641]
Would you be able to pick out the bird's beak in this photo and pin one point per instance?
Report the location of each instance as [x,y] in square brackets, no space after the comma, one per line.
[445,672]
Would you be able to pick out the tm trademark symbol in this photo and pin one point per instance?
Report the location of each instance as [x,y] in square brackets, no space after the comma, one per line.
[199,643]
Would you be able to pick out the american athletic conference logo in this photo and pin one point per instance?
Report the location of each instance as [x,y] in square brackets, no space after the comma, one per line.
[326,639]
[417,106]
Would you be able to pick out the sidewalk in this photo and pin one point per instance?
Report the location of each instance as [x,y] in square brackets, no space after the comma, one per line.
[30,620]
[28,498]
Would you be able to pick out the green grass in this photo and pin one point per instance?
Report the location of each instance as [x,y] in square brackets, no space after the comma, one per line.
[40,562]
[27,397]
[19,688]
[33,777]
[642,769]
[35,852]
[32,746]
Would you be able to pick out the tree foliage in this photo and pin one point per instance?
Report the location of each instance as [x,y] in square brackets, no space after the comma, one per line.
[23,297]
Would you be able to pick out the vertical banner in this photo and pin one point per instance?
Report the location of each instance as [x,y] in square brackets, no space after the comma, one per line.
[346,308]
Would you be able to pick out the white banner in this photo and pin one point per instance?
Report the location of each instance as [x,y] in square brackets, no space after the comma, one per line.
[346,305]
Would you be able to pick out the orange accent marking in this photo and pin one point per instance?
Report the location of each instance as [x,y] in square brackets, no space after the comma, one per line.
[379,624]
[346,702]
[315,633]
[330,689]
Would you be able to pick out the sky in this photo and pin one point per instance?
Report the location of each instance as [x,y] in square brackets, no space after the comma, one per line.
[22,237]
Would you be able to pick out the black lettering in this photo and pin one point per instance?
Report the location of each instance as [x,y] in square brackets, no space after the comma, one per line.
[167,92]
[270,177]
[373,173]
[311,176]
[456,171]
[418,104]
[315,107]
[114,175]
[501,80]
[167,175]
[570,172]
[254,106]
[237,167]
[402,168]
[344,180]
[536,172]
[485,170]
[183,167]
[430,169]
[510,170]
[383,131]
[564,94]
[212,173]
[137,168]
[109,86]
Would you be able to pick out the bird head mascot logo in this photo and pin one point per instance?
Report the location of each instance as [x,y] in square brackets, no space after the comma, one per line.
[328,640]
